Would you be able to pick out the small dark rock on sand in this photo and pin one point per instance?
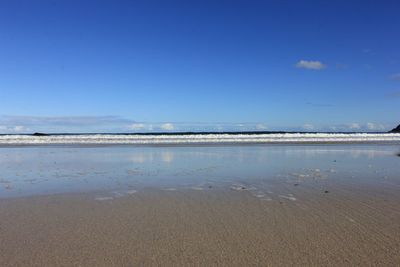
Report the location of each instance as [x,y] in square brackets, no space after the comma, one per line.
[326,191]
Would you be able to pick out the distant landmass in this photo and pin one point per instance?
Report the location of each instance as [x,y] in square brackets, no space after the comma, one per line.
[40,134]
[395,130]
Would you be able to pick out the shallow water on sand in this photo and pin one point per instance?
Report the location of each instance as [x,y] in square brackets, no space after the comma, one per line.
[266,171]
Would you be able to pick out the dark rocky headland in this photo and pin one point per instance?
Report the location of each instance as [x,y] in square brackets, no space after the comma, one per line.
[395,130]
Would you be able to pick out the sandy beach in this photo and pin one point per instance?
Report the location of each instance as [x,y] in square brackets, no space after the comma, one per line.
[199,133]
[340,227]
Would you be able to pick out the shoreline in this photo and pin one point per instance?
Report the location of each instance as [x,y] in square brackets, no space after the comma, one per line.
[205,144]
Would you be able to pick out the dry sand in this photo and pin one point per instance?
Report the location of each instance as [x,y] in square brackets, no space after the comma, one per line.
[202,228]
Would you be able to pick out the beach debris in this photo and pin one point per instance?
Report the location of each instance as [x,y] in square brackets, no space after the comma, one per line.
[296,184]
[326,191]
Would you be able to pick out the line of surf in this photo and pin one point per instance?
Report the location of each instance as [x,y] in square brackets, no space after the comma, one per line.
[216,138]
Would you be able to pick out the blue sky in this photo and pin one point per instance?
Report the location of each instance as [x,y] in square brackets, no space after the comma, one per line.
[110,66]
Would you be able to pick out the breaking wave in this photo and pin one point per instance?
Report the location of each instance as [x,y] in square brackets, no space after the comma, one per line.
[214,138]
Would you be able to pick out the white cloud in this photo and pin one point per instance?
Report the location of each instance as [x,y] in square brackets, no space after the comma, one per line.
[375,127]
[19,128]
[261,126]
[354,126]
[308,127]
[13,129]
[63,124]
[137,126]
[395,76]
[310,65]
[167,126]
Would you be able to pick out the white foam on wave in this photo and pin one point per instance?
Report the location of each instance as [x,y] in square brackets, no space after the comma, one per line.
[135,139]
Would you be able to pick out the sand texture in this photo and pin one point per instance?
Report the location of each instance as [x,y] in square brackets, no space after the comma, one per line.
[202,228]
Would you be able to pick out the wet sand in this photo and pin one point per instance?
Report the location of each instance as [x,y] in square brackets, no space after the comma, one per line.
[342,226]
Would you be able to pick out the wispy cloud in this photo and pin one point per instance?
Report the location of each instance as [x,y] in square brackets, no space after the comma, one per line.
[347,127]
[13,129]
[395,76]
[354,126]
[63,120]
[167,127]
[137,126]
[261,127]
[308,127]
[310,65]
[57,124]
[375,126]
[394,94]
[363,127]
[113,124]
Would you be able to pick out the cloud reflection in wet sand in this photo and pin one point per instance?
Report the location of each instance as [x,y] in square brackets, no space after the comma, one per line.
[47,170]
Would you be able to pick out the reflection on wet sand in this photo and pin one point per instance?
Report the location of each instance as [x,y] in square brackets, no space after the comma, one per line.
[47,170]
[281,205]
